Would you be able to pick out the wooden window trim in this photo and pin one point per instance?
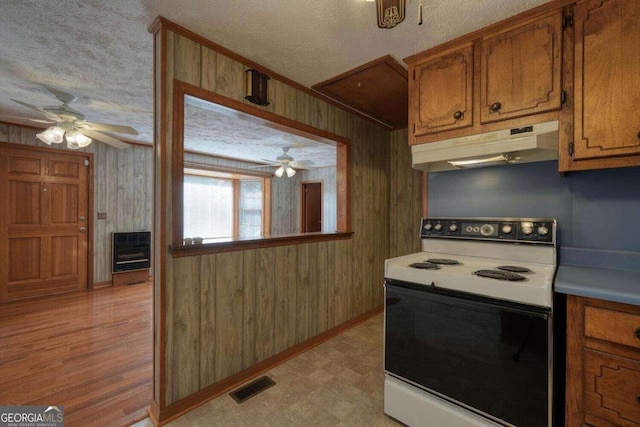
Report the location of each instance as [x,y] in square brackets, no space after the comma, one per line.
[180,89]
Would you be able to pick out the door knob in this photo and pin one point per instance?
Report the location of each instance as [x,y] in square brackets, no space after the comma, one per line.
[495,106]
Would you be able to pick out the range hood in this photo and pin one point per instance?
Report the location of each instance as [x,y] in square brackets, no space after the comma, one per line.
[534,143]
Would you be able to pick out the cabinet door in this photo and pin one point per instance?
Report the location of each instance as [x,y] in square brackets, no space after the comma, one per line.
[607,78]
[612,388]
[521,70]
[440,92]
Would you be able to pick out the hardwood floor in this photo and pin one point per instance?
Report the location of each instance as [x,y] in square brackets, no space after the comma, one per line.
[90,352]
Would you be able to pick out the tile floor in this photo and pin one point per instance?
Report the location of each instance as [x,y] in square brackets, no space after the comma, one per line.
[338,383]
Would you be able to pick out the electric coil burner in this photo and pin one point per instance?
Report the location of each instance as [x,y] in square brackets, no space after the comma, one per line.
[443,261]
[499,275]
[514,269]
[469,325]
[425,265]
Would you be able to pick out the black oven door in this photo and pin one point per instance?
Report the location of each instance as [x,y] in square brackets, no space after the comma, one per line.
[489,355]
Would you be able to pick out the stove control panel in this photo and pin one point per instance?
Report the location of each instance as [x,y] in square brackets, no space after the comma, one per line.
[531,230]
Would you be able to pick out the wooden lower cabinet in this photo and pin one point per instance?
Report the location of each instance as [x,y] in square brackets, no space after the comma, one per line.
[603,363]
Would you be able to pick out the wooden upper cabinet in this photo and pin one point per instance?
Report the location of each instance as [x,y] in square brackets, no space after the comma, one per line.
[521,70]
[607,79]
[440,91]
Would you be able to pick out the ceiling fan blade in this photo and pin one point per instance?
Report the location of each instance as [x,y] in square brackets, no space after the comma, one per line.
[271,162]
[303,164]
[3,117]
[63,97]
[105,127]
[105,138]
[47,114]
[262,166]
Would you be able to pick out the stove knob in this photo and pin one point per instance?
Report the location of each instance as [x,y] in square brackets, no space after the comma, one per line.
[438,227]
[543,231]
[453,228]
[506,229]
[486,230]
[527,230]
[428,227]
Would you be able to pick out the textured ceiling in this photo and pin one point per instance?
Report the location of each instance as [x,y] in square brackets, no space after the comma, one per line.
[101,51]
[213,129]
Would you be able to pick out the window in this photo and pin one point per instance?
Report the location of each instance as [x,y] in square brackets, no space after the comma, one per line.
[218,207]
[250,208]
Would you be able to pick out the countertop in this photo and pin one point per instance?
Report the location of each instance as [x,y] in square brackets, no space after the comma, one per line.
[610,276]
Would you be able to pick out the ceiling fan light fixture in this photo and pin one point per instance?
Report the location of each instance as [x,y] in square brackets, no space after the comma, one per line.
[290,171]
[54,135]
[280,171]
[77,140]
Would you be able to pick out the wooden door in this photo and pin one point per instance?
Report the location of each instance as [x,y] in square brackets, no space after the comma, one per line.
[607,79]
[311,207]
[43,221]
[440,92]
[521,69]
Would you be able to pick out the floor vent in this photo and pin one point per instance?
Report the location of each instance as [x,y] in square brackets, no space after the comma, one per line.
[251,389]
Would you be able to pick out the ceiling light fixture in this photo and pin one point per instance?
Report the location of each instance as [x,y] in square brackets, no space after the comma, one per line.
[56,134]
[285,168]
[52,135]
[390,12]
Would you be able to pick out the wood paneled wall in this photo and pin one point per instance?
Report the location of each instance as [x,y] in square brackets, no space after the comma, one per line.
[223,313]
[405,190]
[122,189]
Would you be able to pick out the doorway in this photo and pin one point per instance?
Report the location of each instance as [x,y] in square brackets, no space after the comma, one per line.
[44,221]
[311,206]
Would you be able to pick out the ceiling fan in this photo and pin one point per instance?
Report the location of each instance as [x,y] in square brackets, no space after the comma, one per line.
[286,163]
[69,125]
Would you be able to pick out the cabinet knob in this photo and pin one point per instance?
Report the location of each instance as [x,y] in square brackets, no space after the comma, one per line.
[495,106]
[638,135]
[637,333]
[457,115]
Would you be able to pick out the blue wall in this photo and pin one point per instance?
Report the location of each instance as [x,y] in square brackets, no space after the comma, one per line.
[596,210]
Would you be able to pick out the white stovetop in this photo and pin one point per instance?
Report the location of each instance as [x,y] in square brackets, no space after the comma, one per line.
[537,289]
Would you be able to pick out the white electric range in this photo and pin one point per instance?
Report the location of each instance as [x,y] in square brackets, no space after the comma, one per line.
[469,324]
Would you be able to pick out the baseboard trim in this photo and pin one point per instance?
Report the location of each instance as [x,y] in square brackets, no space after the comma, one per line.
[100,285]
[161,416]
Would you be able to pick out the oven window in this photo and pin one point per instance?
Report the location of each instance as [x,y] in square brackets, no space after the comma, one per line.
[490,357]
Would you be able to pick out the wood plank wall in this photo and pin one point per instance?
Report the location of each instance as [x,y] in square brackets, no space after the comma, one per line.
[405,189]
[226,312]
[123,184]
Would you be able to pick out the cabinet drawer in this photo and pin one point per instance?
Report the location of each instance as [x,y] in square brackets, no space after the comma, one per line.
[612,388]
[614,326]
